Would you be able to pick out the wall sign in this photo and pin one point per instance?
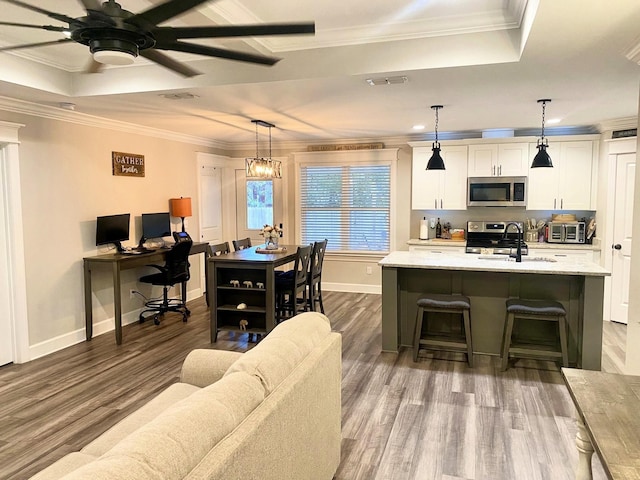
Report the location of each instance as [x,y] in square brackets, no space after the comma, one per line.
[349,146]
[127,164]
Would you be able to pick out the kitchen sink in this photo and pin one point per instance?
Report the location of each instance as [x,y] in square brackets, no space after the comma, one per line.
[507,258]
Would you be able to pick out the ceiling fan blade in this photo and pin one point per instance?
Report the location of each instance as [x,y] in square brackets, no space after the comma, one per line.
[94,67]
[170,63]
[216,52]
[42,27]
[164,12]
[223,31]
[56,16]
[91,5]
[31,45]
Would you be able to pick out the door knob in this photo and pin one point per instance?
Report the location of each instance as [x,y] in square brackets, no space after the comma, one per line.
[617,246]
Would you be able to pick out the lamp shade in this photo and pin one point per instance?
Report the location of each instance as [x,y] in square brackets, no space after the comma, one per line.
[435,162]
[180,207]
[542,158]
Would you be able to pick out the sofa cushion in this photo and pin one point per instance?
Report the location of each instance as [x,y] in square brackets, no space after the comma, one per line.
[140,417]
[66,464]
[172,444]
[275,357]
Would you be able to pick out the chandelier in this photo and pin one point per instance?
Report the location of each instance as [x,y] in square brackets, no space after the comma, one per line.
[260,167]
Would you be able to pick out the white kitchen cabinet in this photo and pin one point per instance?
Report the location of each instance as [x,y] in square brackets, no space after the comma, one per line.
[568,184]
[439,189]
[498,160]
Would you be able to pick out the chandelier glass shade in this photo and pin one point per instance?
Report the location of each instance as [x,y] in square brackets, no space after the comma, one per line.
[261,167]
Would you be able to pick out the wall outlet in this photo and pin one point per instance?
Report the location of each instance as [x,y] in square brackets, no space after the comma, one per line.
[369,270]
[132,293]
[432,222]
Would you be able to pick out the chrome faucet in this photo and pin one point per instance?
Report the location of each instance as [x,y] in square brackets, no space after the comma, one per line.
[518,254]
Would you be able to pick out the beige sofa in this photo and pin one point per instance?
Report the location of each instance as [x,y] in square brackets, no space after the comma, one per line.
[270,413]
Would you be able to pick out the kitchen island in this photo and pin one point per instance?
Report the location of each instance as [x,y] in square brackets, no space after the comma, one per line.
[489,280]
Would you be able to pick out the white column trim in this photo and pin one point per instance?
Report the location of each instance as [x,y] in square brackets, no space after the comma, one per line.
[15,241]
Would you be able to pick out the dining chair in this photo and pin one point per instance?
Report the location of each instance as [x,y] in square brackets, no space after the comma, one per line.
[215,251]
[241,244]
[291,285]
[314,277]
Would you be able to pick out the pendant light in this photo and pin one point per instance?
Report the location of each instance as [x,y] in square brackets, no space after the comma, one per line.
[542,158]
[436,162]
[260,167]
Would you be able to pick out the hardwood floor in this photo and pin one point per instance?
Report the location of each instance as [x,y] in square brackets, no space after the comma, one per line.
[434,419]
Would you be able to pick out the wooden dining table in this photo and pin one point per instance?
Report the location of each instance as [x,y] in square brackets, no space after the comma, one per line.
[241,289]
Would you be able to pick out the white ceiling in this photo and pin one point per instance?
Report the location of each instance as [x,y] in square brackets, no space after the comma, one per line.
[486,61]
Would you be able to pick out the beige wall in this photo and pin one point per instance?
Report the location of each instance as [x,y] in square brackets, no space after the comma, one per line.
[66,182]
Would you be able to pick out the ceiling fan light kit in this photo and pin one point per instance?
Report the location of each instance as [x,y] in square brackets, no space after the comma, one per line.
[116,36]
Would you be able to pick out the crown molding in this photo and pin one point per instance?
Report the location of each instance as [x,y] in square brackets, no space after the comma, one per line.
[55,113]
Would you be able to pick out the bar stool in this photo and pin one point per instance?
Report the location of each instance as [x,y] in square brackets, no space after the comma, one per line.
[436,303]
[547,310]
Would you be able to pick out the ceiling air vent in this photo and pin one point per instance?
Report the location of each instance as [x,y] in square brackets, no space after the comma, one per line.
[387,80]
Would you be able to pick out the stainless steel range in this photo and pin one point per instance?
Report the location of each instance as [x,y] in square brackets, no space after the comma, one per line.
[490,238]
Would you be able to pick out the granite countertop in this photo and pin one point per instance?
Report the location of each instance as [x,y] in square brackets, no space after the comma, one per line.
[490,263]
[439,242]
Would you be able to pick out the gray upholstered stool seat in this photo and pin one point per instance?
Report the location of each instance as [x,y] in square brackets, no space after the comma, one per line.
[547,310]
[439,303]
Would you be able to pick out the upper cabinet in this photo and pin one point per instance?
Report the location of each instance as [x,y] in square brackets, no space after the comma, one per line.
[568,185]
[439,189]
[498,160]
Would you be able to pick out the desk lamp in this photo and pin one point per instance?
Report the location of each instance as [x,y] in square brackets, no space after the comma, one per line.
[181,207]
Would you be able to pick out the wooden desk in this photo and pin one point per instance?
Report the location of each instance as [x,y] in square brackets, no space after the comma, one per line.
[608,421]
[118,262]
[244,265]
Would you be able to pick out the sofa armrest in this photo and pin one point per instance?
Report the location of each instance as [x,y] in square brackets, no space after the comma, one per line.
[203,367]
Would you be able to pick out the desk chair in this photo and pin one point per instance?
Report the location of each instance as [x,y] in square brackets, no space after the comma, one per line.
[291,284]
[215,251]
[314,279]
[241,244]
[175,270]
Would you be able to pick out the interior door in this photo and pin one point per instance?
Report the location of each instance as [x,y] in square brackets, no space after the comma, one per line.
[622,226]
[258,202]
[210,207]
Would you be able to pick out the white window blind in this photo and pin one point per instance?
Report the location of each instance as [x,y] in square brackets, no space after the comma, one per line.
[350,205]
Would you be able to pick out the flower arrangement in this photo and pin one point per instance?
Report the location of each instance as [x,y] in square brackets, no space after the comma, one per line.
[270,233]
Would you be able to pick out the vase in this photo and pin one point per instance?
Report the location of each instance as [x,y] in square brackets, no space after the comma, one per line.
[271,243]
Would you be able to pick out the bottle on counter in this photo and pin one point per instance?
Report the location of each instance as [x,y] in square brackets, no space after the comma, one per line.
[438,229]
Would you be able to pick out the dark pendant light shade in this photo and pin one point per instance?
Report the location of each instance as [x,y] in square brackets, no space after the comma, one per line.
[542,158]
[436,162]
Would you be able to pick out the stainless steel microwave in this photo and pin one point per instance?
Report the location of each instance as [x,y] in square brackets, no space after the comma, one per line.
[497,192]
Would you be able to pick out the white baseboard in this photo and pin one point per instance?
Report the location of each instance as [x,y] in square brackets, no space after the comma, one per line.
[351,288]
[78,336]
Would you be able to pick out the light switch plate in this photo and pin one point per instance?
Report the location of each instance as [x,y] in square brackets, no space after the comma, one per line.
[432,222]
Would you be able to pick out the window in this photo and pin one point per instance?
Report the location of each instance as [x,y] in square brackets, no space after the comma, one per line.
[259,203]
[347,203]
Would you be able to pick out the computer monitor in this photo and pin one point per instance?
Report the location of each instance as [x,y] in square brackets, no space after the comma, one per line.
[155,225]
[112,229]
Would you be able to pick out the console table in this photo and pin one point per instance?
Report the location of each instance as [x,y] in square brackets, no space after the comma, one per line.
[117,262]
[608,422]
